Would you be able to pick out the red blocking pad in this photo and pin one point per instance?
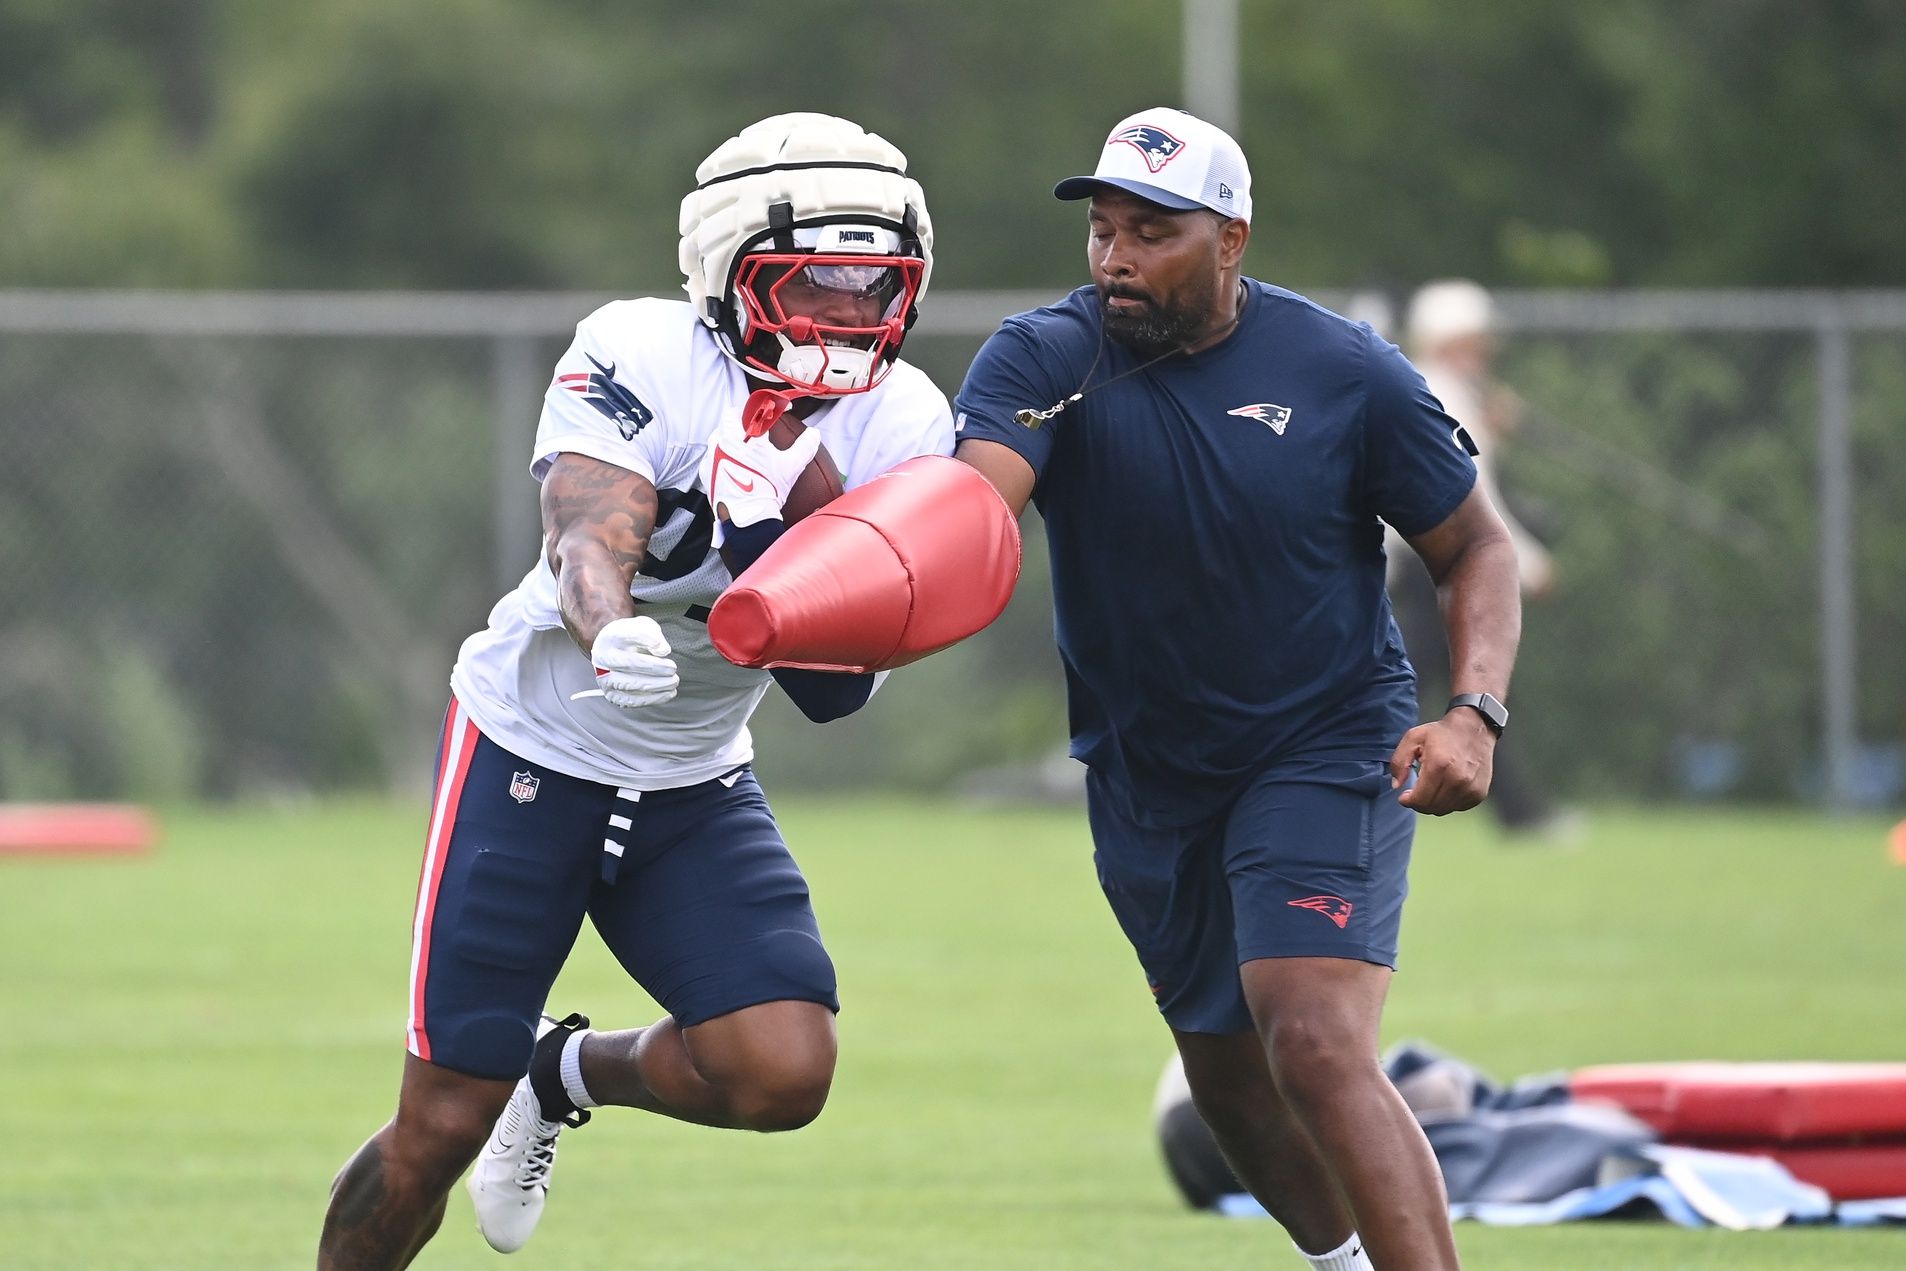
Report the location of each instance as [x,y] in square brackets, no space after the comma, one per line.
[919,558]
[83,829]
[1861,1171]
[842,600]
[1719,1104]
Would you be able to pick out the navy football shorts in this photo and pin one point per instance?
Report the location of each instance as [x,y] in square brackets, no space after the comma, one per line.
[1291,869]
[693,890]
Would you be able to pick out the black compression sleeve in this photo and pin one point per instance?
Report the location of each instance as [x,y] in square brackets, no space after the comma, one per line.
[743,545]
[824,695]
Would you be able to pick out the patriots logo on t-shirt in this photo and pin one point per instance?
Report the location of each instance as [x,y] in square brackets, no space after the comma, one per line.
[1268,413]
[612,399]
[1158,146]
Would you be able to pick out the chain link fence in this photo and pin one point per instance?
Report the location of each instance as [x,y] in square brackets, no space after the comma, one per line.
[244,534]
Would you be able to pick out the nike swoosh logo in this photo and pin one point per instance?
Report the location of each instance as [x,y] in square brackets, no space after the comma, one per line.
[717,473]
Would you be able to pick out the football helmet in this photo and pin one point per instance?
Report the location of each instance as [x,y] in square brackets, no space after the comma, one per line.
[806,249]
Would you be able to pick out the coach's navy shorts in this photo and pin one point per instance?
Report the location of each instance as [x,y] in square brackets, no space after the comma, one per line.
[1291,869]
[693,890]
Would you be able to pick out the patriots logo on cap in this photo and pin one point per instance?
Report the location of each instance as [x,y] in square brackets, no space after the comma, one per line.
[1158,146]
[614,400]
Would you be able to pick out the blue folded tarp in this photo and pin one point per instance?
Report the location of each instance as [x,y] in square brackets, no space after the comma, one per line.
[1687,1186]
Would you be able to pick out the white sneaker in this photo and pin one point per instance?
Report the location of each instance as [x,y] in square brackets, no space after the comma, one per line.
[510,1181]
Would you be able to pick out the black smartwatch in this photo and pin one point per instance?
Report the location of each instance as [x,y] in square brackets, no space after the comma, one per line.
[1493,712]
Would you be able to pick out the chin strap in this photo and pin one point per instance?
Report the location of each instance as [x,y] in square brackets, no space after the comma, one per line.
[763,410]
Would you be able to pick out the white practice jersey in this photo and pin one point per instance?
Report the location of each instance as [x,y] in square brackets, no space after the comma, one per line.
[644,387]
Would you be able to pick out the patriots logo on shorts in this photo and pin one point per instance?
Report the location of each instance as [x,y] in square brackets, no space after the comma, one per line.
[1158,146]
[612,399]
[1335,908]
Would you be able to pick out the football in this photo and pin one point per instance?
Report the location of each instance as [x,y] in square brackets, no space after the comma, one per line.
[819,484]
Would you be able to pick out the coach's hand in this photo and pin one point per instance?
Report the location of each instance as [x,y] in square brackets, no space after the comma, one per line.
[1454,758]
[748,478]
[633,668]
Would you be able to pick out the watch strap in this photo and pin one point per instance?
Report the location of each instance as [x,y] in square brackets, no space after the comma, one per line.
[1493,712]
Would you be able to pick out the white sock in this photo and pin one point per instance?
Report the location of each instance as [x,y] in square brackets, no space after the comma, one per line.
[570,1070]
[1348,1256]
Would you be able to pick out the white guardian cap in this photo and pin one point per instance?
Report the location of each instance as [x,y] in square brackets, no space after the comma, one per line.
[807,248]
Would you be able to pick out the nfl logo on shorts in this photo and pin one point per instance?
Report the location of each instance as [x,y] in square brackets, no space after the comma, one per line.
[523,786]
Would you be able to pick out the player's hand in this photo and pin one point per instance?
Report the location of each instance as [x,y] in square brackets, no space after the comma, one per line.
[633,668]
[1454,758]
[748,478]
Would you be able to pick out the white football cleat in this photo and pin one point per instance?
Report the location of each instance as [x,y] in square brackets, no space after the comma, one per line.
[510,1181]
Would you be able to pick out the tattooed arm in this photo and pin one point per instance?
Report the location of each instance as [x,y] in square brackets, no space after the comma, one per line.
[597,519]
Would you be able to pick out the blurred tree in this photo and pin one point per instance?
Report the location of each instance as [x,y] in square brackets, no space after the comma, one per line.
[104,109]
[69,66]
[506,143]
[1770,137]
[405,146]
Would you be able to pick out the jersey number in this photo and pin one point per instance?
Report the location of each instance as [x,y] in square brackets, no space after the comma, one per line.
[684,531]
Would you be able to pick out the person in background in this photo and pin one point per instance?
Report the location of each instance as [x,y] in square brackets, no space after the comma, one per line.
[1450,333]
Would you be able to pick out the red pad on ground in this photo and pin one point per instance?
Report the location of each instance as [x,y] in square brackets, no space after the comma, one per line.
[915,560]
[1718,1104]
[1859,1171]
[75,829]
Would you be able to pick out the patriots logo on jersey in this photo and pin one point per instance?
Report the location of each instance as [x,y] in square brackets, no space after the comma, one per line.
[1158,146]
[612,399]
[1277,417]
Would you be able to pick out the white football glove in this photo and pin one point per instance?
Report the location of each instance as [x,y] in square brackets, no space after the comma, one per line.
[748,477]
[633,668]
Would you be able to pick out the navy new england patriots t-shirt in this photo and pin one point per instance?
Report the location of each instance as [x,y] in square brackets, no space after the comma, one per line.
[1217,557]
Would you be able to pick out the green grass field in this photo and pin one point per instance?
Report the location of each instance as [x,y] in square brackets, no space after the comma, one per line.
[193,1043]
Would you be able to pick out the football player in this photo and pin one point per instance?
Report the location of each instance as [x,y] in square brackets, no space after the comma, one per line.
[595,758]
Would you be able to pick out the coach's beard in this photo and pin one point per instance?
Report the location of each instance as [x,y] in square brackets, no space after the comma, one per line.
[1158,328]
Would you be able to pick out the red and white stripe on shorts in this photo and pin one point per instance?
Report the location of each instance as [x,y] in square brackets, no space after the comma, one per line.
[459,744]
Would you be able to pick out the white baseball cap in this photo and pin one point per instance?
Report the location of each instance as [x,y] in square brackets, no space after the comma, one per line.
[1449,309]
[1173,159]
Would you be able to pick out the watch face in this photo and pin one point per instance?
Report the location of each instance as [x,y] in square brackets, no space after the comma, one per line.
[1486,705]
